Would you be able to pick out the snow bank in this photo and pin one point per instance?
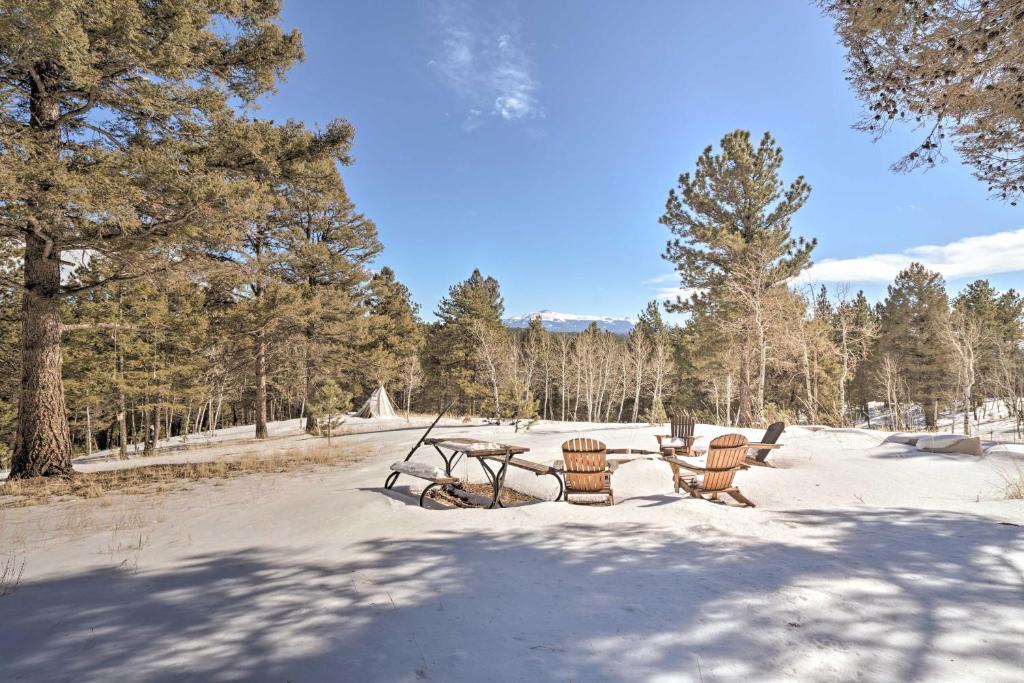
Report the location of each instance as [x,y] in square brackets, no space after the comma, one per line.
[1006,449]
[905,439]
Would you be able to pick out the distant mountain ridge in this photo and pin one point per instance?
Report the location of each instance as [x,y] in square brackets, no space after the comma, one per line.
[571,322]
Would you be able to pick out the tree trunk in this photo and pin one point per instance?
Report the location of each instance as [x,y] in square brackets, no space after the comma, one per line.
[261,385]
[88,431]
[149,437]
[216,415]
[122,429]
[762,373]
[744,409]
[312,426]
[43,442]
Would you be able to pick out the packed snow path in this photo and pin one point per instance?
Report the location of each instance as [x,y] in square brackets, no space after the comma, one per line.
[861,562]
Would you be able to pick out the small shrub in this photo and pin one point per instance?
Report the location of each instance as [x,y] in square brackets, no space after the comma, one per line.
[1013,482]
[10,574]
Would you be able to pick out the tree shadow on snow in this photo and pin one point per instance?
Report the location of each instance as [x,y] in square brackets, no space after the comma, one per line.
[884,595]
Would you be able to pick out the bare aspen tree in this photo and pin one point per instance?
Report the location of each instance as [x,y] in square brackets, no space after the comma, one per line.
[639,352]
[966,337]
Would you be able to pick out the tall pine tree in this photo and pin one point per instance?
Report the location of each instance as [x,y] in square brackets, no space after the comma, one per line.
[912,320]
[104,107]
[734,249]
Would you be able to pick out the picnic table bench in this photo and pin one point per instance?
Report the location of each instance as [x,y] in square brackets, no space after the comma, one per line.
[538,469]
[432,473]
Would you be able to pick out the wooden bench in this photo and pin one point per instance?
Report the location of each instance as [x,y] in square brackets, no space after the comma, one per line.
[421,470]
[539,469]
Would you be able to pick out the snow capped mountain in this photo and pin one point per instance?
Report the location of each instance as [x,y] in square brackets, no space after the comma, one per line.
[571,322]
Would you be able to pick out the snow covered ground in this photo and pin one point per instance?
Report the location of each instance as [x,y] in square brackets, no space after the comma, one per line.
[862,561]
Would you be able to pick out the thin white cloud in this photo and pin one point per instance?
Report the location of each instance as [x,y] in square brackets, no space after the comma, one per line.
[662,290]
[1001,252]
[483,62]
[661,279]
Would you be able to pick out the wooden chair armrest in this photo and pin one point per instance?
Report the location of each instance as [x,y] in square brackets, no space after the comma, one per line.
[686,465]
[630,451]
[703,470]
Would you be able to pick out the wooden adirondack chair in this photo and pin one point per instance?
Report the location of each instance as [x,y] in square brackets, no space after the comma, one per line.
[724,460]
[585,469]
[680,441]
[771,435]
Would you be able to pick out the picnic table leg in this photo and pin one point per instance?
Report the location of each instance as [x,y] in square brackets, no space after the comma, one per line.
[492,479]
[423,494]
[499,481]
[561,487]
[448,462]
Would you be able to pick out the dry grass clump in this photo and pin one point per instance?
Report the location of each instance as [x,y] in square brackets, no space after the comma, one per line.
[1013,482]
[10,574]
[150,478]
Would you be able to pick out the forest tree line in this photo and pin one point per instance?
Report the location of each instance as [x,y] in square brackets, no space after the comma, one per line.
[188,362]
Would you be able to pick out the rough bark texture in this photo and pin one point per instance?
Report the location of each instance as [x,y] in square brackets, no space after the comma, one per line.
[149,439]
[261,385]
[43,442]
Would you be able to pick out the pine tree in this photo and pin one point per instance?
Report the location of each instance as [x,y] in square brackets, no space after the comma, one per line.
[329,246]
[952,68]
[471,313]
[303,250]
[106,107]
[395,327]
[734,249]
[912,321]
[138,345]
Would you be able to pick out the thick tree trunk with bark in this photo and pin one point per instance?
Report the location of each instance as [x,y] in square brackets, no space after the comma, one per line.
[312,421]
[43,443]
[150,437]
[261,385]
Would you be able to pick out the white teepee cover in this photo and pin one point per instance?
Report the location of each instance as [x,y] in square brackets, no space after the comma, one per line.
[378,405]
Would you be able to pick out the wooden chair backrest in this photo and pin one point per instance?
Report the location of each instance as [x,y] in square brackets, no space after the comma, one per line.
[725,452]
[682,427]
[586,461]
[771,435]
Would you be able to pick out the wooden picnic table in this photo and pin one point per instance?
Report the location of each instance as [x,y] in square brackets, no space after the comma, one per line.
[482,451]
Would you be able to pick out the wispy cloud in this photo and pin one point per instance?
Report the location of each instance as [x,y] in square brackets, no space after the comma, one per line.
[661,279]
[1000,252]
[663,290]
[483,61]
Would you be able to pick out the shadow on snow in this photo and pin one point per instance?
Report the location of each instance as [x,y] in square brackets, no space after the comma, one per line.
[879,594]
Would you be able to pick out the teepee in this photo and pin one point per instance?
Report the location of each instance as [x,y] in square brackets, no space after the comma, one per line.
[378,405]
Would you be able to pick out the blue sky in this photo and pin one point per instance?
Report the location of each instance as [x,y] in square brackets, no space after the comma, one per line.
[538,140]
